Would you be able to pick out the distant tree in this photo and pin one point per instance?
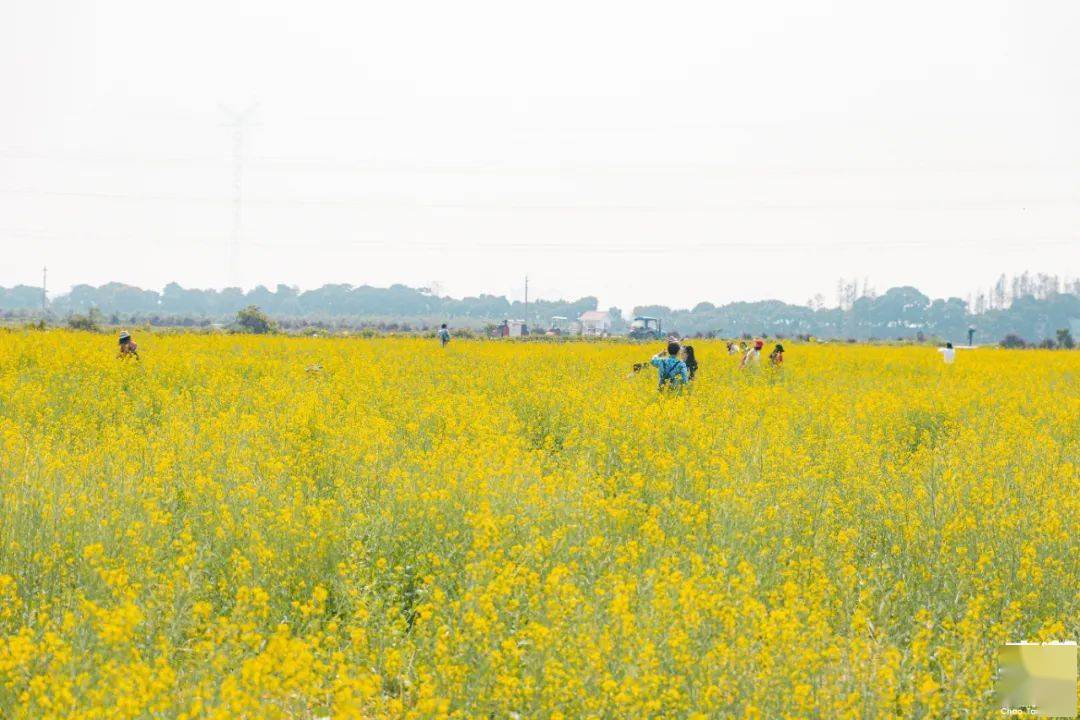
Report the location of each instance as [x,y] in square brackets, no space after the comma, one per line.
[1046,285]
[947,318]
[288,300]
[326,300]
[263,298]
[253,320]
[903,308]
[230,300]
[1048,344]
[846,293]
[980,303]
[998,296]
[1024,285]
[88,322]
[1037,306]
[1065,339]
[118,297]
[1012,341]
[618,325]
[20,297]
[193,303]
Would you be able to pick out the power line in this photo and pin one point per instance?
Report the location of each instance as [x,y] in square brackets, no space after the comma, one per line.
[621,246]
[363,203]
[348,165]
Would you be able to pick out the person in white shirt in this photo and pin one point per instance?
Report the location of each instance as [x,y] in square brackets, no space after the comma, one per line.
[948,354]
[752,358]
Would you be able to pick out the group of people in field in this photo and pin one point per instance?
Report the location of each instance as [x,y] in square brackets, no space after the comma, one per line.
[678,366]
[751,354]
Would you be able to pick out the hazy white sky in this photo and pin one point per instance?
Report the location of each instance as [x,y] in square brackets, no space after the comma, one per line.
[639,151]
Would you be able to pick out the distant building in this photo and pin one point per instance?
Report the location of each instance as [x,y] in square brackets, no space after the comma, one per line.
[562,325]
[595,322]
[512,328]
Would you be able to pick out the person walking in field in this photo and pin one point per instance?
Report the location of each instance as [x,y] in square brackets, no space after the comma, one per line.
[753,355]
[776,357]
[444,335]
[671,370]
[128,347]
[948,353]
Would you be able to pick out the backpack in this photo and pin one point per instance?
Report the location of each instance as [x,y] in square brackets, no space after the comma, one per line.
[669,370]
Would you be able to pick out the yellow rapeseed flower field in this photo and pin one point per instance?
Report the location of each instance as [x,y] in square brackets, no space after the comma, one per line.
[520,530]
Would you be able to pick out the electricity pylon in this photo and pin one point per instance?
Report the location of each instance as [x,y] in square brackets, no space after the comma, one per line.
[238,121]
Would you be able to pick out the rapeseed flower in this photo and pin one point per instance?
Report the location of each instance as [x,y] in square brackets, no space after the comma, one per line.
[519,530]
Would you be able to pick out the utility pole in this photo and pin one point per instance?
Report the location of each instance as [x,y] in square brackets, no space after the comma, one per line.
[44,294]
[526,302]
[238,121]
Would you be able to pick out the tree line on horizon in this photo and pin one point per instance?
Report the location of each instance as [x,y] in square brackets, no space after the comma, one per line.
[1035,313]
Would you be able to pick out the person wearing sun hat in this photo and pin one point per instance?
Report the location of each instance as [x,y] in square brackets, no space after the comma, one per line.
[753,355]
[128,347]
[776,357]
